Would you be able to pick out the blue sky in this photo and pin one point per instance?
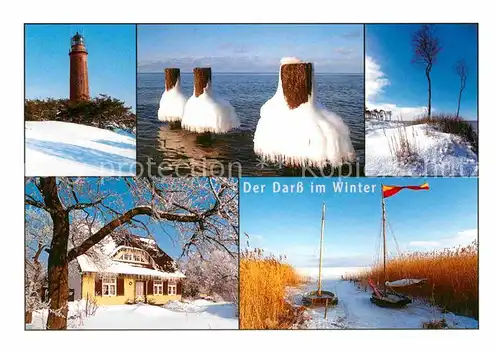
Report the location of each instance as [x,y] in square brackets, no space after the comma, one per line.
[250,48]
[393,79]
[444,216]
[111,60]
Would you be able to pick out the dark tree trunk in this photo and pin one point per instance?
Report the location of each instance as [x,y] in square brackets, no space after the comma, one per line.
[428,75]
[28,317]
[462,87]
[459,99]
[58,256]
[58,272]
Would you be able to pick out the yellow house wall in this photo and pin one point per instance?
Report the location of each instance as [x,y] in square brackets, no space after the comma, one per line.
[88,282]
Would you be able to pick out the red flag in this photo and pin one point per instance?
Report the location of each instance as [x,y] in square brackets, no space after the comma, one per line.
[390,190]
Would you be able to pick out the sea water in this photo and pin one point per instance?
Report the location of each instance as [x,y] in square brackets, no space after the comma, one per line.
[175,151]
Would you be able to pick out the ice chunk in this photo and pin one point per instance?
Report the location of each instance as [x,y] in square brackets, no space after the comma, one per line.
[307,135]
[207,113]
[172,104]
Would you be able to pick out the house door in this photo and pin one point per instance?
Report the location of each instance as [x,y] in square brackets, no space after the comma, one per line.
[139,288]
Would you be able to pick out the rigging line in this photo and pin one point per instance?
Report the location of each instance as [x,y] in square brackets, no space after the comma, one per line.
[393,237]
[378,243]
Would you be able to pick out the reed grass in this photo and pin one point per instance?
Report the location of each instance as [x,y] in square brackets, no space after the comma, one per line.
[452,124]
[263,284]
[452,277]
[403,147]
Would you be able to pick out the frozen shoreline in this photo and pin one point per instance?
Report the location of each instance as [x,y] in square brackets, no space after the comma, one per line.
[356,311]
[438,153]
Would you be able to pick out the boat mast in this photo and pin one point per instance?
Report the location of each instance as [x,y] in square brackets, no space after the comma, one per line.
[383,235]
[321,248]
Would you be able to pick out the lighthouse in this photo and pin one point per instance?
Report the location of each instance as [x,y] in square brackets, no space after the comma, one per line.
[78,72]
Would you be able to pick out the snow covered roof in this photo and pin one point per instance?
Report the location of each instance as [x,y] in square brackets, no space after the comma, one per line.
[163,265]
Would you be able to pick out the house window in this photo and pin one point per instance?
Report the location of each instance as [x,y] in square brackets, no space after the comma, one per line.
[139,257]
[133,256]
[157,288]
[109,286]
[172,289]
[127,257]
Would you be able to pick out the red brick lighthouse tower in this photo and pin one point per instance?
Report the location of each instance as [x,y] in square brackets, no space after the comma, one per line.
[78,73]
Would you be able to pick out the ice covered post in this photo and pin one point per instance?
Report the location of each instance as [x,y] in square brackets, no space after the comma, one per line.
[294,129]
[202,80]
[204,111]
[172,101]
[296,83]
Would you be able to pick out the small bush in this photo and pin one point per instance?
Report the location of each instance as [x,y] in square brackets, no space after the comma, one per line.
[403,148]
[435,324]
[103,112]
[454,125]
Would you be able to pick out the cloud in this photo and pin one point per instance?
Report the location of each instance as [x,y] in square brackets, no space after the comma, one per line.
[232,48]
[344,51]
[345,261]
[351,34]
[399,112]
[376,81]
[348,62]
[461,238]
[307,255]
[375,78]
[218,64]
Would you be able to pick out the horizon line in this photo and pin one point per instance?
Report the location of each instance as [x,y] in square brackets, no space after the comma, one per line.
[250,72]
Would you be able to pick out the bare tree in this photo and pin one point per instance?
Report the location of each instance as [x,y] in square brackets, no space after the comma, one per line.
[215,274]
[426,47]
[38,231]
[204,211]
[461,70]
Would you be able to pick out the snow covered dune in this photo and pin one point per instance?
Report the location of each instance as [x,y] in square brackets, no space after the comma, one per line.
[437,153]
[55,148]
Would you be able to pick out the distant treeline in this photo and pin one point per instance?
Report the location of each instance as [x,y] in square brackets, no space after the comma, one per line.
[103,112]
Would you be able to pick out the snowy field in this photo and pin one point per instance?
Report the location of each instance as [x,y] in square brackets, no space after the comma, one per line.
[198,314]
[440,154]
[356,311]
[55,148]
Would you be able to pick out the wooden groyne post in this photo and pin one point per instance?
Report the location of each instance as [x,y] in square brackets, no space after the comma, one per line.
[172,75]
[202,78]
[296,82]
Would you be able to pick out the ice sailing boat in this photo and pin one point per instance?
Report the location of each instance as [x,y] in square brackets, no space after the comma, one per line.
[387,297]
[320,297]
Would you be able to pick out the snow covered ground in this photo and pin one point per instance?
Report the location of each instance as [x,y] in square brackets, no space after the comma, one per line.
[198,314]
[439,154]
[55,148]
[356,311]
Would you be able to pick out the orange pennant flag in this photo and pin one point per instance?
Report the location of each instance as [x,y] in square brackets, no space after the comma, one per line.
[390,190]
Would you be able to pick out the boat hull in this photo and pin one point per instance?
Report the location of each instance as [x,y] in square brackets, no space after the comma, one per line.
[313,299]
[390,300]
